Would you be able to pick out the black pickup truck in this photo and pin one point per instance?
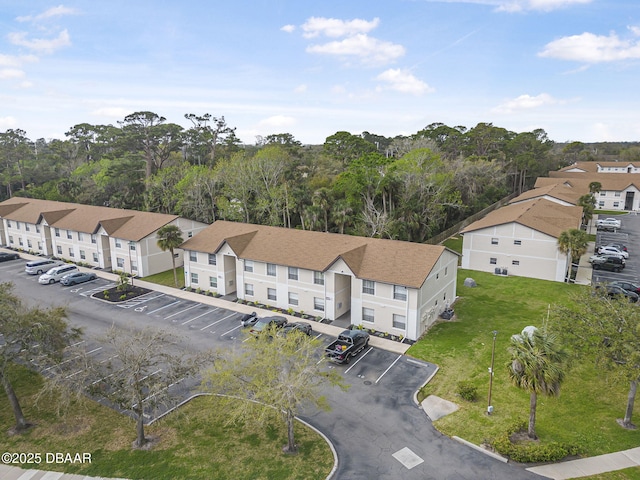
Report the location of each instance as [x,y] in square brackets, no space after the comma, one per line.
[348,344]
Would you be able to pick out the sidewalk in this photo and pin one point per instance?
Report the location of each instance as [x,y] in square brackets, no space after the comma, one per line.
[585,467]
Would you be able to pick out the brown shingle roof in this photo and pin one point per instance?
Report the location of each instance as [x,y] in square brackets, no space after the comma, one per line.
[580,181]
[592,167]
[554,190]
[388,261]
[119,223]
[542,215]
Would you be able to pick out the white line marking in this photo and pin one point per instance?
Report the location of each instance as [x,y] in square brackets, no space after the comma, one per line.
[389,368]
[162,308]
[232,330]
[182,311]
[360,358]
[194,318]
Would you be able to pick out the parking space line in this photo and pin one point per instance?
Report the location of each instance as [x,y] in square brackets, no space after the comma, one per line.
[166,306]
[182,311]
[356,362]
[201,315]
[232,330]
[218,321]
[389,368]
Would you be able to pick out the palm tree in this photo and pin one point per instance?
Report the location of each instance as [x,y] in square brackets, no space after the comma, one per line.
[536,366]
[573,243]
[169,238]
[588,204]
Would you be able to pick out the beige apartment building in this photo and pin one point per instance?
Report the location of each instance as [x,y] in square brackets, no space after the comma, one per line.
[107,238]
[390,286]
[521,239]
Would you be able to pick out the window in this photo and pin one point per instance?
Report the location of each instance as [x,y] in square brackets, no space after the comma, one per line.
[189,234]
[37,228]
[271,269]
[617,194]
[616,204]
[26,227]
[10,239]
[601,203]
[212,259]
[248,265]
[29,243]
[271,294]
[20,241]
[493,261]
[318,278]
[118,243]
[193,256]
[248,289]
[120,262]
[399,292]
[18,225]
[399,321]
[194,278]
[494,241]
[8,223]
[71,252]
[293,274]
[39,245]
[95,257]
[369,286]
[603,194]
[293,298]
[515,262]
[368,315]
[517,242]
[134,267]
[69,235]
[59,250]
[132,246]
[213,282]
[83,256]
[57,232]
[318,304]
[80,237]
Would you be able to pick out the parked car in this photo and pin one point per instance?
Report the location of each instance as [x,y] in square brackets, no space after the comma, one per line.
[610,263]
[38,267]
[77,277]
[56,273]
[628,286]
[348,344]
[607,250]
[619,246]
[297,327]
[6,256]
[603,258]
[618,292]
[266,322]
[608,224]
[249,319]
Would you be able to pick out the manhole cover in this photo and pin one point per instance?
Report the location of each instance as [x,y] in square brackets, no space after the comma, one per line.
[367,382]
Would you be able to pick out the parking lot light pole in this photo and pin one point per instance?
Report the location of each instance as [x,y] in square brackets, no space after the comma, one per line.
[493,356]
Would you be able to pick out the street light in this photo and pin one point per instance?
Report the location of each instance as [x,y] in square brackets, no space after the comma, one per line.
[493,356]
[131,244]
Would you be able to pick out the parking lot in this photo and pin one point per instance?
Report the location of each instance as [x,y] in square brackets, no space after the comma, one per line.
[203,324]
[629,235]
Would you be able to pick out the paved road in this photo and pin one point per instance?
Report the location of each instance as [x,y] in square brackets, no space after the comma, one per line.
[377,429]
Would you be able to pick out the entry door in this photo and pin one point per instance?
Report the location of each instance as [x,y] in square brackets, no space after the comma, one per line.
[628,202]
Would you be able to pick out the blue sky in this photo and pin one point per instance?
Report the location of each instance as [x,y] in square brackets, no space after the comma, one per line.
[312,68]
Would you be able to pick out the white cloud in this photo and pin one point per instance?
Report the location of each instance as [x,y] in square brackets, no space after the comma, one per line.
[112,112]
[403,81]
[369,50]
[7,122]
[11,73]
[539,5]
[40,44]
[58,11]
[334,28]
[16,61]
[300,88]
[278,121]
[525,102]
[591,48]
[288,28]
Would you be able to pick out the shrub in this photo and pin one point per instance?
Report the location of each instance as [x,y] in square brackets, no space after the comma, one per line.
[531,452]
[467,391]
[123,296]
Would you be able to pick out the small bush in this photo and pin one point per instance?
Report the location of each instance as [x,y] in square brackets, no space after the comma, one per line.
[467,391]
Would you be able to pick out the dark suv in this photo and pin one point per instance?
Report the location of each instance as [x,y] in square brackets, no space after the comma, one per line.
[612,264]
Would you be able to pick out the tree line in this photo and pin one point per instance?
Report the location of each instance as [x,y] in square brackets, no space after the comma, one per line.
[406,187]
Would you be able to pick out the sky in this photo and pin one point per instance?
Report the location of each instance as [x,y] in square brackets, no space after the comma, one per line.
[313,68]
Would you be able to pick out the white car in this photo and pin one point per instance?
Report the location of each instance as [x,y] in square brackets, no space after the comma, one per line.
[56,273]
[612,251]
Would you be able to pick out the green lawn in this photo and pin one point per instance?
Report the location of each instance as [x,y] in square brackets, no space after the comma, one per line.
[194,442]
[590,402]
[166,278]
